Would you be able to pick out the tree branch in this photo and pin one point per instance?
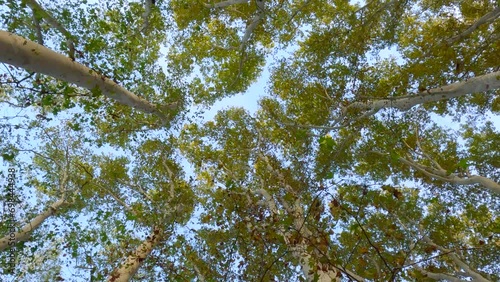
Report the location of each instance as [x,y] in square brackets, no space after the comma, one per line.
[27,229]
[23,53]
[200,276]
[225,3]
[438,276]
[453,178]
[250,28]
[38,29]
[465,267]
[487,82]
[69,41]
[352,275]
[148,6]
[486,19]
[132,263]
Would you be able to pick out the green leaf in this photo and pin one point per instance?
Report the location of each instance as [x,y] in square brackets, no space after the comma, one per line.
[8,157]
[463,163]
[395,156]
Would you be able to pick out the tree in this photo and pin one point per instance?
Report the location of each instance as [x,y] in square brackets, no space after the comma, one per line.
[57,172]
[357,166]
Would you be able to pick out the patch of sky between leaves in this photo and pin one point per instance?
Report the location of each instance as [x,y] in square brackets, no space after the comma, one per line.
[249,99]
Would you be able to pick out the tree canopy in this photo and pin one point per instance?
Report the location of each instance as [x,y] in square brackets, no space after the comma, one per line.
[373,154]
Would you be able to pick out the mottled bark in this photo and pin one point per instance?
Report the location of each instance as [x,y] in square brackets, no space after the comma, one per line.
[443,175]
[132,263]
[300,246]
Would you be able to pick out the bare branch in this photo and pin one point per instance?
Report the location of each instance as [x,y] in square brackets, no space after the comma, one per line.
[120,201]
[435,163]
[438,276]
[171,176]
[443,175]
[135,187]
[352,274]
[250,28]
[313,126]
[465,267]
[200,276]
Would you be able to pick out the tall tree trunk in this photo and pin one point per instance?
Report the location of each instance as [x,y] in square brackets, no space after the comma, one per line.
[299,243]
[135,260]
[26,54]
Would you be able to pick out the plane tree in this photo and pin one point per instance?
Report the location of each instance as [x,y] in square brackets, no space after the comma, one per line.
[344,122]
[372,155]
